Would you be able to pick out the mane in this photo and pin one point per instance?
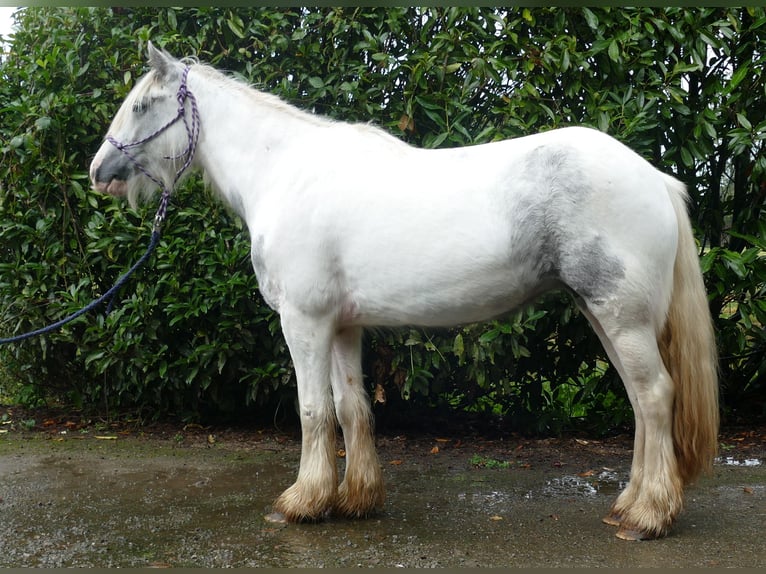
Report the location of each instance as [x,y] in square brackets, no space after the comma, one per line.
[227,81]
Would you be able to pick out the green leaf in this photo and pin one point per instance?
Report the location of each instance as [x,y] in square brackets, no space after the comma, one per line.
[42,123]
[526,13]
[744,122]
[489,336]
[237,26]
[614,51]
[590,18]
[737,77]
[686,157]
[438,140]
[709,130]
[458,347]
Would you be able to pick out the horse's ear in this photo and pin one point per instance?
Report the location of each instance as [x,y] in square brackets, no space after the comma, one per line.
[161,61]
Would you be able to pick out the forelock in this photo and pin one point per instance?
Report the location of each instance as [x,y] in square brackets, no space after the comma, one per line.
[136,95]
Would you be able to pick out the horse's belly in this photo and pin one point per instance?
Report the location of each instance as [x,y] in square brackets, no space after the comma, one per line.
[423,297]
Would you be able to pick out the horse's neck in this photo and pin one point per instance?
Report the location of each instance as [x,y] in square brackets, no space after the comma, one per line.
[240,139]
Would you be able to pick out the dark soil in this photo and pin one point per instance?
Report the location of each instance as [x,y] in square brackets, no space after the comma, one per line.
[80,491]
[456,435]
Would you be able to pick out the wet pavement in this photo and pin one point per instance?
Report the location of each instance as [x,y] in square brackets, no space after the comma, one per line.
[199,498]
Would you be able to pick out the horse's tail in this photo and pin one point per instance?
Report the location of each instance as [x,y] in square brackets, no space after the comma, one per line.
[687,345]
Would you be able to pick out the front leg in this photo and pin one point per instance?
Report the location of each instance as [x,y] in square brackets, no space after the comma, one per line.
[309,339]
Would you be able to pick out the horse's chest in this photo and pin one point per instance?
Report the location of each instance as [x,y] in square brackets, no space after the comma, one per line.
[267,285]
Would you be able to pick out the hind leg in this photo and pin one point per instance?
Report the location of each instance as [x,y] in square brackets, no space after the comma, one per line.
[361,491]
[655,495]
[630,493]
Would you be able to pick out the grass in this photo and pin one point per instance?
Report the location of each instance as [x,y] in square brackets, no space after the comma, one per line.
[487,462]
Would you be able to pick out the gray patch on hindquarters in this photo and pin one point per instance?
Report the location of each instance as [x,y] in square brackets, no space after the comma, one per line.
[590,270]
[584,263]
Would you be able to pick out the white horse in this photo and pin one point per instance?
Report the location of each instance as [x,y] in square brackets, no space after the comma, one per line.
[351,227]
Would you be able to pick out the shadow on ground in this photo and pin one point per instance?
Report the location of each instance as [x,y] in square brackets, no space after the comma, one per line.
[197,497]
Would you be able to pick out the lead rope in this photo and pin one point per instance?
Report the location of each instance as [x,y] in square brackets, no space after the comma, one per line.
[192,132]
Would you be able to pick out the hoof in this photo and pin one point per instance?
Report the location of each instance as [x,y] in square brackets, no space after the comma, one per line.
[634,535]
[359,502]
[299,504]
[612,519]
[276,518]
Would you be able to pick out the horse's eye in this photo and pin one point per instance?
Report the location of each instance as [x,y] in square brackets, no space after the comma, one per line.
[140,106]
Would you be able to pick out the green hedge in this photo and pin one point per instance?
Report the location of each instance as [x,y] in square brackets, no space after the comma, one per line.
[191,335]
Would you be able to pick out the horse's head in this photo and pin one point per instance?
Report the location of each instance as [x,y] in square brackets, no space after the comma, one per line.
[147,141]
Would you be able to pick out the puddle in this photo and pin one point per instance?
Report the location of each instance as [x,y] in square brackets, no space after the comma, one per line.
[493,500]
[731,461]
[605,482]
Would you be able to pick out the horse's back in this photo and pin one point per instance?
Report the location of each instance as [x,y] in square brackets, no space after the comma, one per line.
[437,237]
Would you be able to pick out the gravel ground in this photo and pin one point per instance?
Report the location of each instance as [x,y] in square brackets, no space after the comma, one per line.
[78,495]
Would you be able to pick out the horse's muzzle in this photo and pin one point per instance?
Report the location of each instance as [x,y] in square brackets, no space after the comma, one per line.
[111,175]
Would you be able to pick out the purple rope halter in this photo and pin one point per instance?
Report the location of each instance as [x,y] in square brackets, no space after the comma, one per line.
[192,132]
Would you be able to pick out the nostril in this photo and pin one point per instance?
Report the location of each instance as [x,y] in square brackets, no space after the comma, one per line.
[99,175]
[109,170]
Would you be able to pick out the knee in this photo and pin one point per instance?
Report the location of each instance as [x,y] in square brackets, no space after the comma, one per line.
[313,416]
